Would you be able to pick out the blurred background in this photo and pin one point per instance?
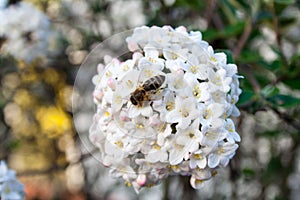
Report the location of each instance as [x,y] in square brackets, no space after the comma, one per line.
[44,42]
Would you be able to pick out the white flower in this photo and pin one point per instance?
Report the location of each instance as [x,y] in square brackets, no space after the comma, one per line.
[26,39]
[232,135]
[127,14]
[196,67]
[185,111]
[177,154]
[216,59]
[222,154]
[181,124]
[10,187]
[145,110]
[3,171]
[198,159]
[166,105]
[199,89]
[199,178]
[175,52]
[157,154]
[219,81]
[212,115]
[190,137]
[211,136]
[151,59]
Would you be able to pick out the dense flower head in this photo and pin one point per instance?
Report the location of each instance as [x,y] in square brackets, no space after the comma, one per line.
[25,32]
[10,187]
[166,110]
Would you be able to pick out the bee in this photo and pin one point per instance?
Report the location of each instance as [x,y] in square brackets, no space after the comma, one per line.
[143,93]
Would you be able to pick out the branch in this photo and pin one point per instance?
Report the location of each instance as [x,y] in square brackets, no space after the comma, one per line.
[244,38]
[251,78]
[210,10]
[278,36]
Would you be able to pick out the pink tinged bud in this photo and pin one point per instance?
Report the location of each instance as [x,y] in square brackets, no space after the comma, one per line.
[141,179]
[180,72]
[115,61]
[100,68]
[181,29]
[123,115]
[154,121]
[137,56]
[111,83]
[132,46]
[167,27]
[98,94]
[124,118]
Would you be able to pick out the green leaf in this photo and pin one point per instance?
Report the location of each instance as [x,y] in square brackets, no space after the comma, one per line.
[210,34]
[275,65]
[249,56]
[269,91]
[263,15]
[233,30]
[293,83]
[248,172]
[280,5]
[191,4]
[271,133]
[284,101]
[228,31]
[13,144]
[285,2]
[286,21]
[246,96]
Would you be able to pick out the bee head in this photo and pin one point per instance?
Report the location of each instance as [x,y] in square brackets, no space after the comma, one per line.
[133,101]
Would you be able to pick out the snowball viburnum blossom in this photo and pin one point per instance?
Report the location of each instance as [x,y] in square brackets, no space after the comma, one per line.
[10,187]
[167,110]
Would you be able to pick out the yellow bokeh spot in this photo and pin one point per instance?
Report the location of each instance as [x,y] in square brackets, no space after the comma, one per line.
[53,121]
[51,76]
[23,98]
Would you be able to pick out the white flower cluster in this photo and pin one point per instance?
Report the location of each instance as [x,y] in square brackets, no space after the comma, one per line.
[25,32]
[166,111]
[10,187]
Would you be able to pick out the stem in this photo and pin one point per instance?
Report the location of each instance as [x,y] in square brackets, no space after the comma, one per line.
[166,189]
[242,41]
[278,36]
[188,192]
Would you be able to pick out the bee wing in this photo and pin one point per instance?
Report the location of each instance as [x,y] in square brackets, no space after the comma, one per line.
[156,94]
[147,73]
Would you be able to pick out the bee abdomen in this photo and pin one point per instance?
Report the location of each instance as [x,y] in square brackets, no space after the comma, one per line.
[154,83]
